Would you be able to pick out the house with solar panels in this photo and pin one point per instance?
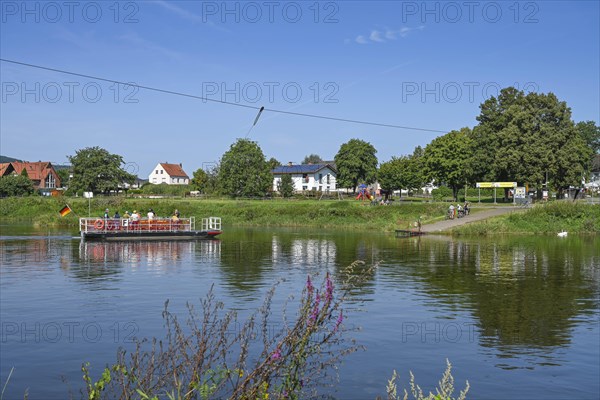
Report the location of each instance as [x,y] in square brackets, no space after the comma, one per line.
[313,177]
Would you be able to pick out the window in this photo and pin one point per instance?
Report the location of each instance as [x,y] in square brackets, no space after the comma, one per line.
[50,181]
[320,178]
[328,176]
[156,172]
[304,187]
[305,178]
[154,180]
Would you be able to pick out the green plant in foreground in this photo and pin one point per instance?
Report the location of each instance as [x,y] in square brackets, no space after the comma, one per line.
[212,357]
[444,391]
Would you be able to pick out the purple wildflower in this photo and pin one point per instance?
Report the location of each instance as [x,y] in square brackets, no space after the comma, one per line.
[339,321]
[276,355]
[329,292]
[315,311]
[309,285]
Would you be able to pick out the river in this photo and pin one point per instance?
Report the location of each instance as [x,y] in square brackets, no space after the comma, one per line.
[516,316]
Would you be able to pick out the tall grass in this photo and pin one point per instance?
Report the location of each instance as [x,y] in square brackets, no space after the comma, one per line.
[550,218]
[345,214]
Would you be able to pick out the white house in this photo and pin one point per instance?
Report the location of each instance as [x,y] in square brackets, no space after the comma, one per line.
[171,174]
[321,177]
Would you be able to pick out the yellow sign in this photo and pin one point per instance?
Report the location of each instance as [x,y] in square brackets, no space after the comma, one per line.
[483,185]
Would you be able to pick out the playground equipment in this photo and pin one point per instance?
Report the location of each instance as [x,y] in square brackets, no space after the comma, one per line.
[363,193]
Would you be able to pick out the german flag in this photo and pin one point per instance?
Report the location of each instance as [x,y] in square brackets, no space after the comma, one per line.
[64,211]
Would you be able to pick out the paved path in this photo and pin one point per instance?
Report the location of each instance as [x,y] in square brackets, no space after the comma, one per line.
[477,216]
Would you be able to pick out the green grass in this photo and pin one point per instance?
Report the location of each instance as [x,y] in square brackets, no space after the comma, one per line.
[345,214]
[551,218]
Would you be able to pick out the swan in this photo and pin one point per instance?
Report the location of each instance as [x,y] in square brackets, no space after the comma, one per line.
[562,234]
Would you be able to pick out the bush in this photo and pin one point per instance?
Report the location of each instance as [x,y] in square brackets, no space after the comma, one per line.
[166,190]
[15,185]
[441,193]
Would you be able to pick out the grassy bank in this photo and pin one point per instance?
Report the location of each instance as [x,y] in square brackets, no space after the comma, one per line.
[346,214]
[551,218]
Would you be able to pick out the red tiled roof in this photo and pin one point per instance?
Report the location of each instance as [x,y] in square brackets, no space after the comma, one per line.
[36,171]
[174,170]
[3,168]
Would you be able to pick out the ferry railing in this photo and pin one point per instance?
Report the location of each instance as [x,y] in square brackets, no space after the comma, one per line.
[211,224]
[107,225]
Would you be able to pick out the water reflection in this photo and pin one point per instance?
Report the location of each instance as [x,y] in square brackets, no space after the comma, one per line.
[526,295]
[157,254]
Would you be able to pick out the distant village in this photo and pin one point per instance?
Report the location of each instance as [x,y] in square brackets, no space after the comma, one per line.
[319,177]
[46,179]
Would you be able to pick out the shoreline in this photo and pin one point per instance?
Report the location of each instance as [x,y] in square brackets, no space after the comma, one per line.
[550,218]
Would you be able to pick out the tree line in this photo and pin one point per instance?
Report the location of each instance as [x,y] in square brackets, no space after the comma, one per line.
[526,138]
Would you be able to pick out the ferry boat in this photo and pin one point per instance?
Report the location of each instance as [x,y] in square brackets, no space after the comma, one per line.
[148,229]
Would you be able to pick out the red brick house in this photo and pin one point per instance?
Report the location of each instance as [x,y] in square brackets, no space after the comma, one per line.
[42,174]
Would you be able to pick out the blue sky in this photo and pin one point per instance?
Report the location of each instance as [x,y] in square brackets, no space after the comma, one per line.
[417,64]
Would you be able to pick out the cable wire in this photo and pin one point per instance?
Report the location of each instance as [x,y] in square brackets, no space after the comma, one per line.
[172,92]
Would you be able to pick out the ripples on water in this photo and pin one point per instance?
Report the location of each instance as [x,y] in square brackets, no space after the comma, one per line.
[518,317]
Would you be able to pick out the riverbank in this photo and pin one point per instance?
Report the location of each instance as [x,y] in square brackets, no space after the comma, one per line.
[345,214]
[545,219]
[549,218]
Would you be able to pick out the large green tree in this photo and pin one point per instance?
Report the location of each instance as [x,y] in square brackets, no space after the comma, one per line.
[356,163]
[590,133]
[447,159]
[96,170]
[15,185]
[526,138]
[404,172]
[244,172]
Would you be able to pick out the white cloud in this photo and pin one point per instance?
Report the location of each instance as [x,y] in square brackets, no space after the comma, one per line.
[361,40]
[376,36]
[387,35]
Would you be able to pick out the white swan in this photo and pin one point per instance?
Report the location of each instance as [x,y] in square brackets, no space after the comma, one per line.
[562,234]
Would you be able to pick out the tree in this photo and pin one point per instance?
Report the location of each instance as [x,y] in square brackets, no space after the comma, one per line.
[312,159]
[356,162]
[447,159]
[64,174]
[96,170]
[404,172]
[199,179]
[590,134]
[24,172]
[15,185]
[286,186]
[526,138]
[243,171]
[389,175]
[273,163]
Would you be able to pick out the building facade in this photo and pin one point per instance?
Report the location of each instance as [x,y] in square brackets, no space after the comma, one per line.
[317,177]
[171,174]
